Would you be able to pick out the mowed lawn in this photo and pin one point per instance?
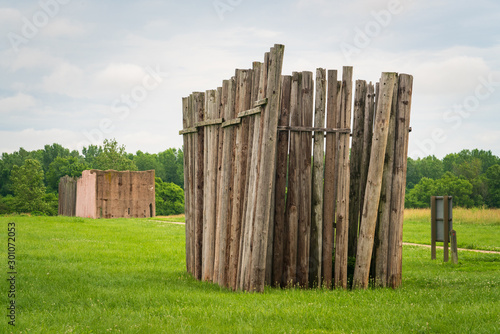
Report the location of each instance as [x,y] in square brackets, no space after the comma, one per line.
[128,275]
[476,228]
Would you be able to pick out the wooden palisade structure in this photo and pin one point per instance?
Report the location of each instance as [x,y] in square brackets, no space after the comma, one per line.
[273,197]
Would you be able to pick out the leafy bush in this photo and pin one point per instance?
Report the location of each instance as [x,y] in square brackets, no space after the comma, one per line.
[169,198]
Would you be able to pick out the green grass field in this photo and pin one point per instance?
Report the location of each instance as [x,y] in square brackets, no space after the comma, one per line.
[476,228]
[79,275]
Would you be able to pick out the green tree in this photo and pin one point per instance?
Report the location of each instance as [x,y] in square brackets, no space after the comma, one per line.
[90,153]
[460,189]
[28,187]
[430,167]
[448,185]
[6,204]
[468,166]
[453,160]
[50,153]
[169,198]
[51,202]
[172,166]
[420,195]
[180,167]
[146,161]
[7,163]
[493,182]
[60,167]
[114,157]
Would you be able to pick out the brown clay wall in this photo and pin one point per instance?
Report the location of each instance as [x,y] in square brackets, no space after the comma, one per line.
[86,195]
[125,194]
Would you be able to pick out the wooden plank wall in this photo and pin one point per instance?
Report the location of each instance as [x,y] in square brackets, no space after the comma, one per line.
[273,197]
[67,196]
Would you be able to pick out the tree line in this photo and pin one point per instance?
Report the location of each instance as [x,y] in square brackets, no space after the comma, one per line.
[472,177]
[29,179]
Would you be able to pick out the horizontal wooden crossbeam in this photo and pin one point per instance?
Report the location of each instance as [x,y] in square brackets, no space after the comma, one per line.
[312,129]
[262,102]
[231,122]
[256,110]
[209,122]
[188,131]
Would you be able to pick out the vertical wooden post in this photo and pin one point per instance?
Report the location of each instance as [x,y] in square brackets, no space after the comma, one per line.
[280,228]
[224,213]
[199,109]
[433,227]
[266,181]
[187,200]
[192,184]
[374,184]
[454,249]
[219,146]
[367,141]
[384,211]
[252,175]
[343,182]
[329,180]
[305,195]
[399,180]
[315,260]
[446,228]
[242,103]
[292,199]
[355,164]
[211,150]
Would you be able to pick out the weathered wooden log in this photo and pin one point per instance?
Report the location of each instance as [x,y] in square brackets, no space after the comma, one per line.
[242,101]
[219,145]
[252,175]
[315,273]
[266,182]
[199,110]
[381,245]
[209,203]
[367,141]
[453,246]
[399,180]
[187,200]
[355,164]
[329,180]
[374,182]
[224,213]
[342,222]
[280,228]
[305,192]
[292,199]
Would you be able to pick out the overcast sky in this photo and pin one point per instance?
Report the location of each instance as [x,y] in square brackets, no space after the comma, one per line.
[75,72]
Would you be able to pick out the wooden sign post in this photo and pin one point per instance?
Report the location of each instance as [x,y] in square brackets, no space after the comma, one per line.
[441,223]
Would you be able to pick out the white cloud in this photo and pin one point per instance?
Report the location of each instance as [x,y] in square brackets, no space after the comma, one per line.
[156,142]
[63,27]
[9,16]
[19,102]
[109,83]
[457,75]
[121,76]
[67,79]
[31,139]
[29,58]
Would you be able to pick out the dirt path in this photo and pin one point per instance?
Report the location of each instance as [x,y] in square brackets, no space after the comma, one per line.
[162,221]
[460,249]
